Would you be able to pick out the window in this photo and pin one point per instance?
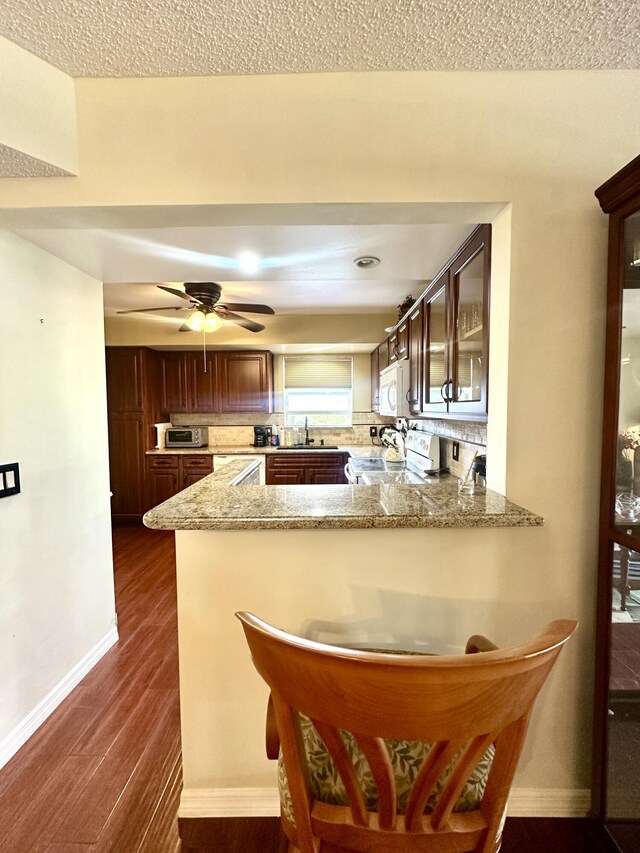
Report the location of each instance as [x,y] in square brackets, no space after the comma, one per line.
[319,389]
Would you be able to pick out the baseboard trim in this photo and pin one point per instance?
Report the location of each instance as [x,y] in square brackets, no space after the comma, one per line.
[264,802]
[229,802]
[23,731]
[549,802]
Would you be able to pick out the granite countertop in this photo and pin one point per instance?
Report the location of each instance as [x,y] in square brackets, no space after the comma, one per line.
[359,450]
[212,504]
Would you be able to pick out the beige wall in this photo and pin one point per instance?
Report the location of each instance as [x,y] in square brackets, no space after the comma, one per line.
[540,142]
[57,601]
[37,105]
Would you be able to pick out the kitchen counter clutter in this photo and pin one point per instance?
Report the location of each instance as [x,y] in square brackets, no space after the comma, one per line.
[213,504]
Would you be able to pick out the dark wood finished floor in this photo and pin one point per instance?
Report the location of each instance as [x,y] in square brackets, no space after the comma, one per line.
[103,773]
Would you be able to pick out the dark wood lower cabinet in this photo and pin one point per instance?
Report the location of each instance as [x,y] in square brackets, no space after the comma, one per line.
[306,468]
[168,474]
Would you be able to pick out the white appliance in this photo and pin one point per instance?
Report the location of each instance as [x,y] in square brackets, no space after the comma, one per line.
[394,390]
[357,466]
[422,463]
[226,458]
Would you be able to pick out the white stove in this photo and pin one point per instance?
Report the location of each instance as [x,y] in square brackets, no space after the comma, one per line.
[422,462]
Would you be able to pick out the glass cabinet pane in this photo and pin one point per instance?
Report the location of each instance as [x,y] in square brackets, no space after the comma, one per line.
[627,493]
[469,288]
[623,767]
[435,376]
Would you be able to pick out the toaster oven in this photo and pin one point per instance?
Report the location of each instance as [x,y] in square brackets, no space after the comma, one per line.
[186,437]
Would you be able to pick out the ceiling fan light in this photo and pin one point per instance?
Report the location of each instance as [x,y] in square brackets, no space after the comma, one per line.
[212,322]
[196,321]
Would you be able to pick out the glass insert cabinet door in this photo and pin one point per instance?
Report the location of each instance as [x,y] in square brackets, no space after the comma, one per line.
[616,775]
[468,326]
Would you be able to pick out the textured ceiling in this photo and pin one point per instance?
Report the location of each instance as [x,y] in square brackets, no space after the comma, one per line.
[17,164]
[142,38]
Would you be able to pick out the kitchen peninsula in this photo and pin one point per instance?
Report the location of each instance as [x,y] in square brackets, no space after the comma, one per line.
[386,566]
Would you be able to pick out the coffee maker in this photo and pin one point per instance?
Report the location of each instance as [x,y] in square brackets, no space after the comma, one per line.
[261,436]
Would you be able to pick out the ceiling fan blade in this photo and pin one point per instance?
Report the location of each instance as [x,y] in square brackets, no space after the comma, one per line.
[185,328]
[148,310]
[177,292]
[242,321]
[250,307]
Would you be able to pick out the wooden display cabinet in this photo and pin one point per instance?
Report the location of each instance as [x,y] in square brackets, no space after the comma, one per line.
[616,754]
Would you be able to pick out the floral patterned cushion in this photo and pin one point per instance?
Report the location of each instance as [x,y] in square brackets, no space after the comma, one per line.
[406,758]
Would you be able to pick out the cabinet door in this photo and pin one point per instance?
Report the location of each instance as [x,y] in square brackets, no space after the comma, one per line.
[173,377]
[245,382]
[124,380]
[202,382]
[162,485]
[194,468]
[398,343]
[435,362]
[326,470]
[284,472]
[416,333]
[375,382]
[469,327]
[383,355]
[126,466]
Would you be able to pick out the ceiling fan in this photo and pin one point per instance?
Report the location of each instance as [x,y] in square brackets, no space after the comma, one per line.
[207,314]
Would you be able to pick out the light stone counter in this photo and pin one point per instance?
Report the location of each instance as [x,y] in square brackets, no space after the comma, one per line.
[360,450]
[212,504]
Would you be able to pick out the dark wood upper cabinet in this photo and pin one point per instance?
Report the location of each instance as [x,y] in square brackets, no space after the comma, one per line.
[415,352]
[383,355]
[173,373]
[245,382]
[202,382]
[375,382]
[469,279]
[227,382]
[398,342]
[124,380]
[435,346]
[615,793]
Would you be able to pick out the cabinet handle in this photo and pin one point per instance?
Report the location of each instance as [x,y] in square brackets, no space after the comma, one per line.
[442,387]
[407,396]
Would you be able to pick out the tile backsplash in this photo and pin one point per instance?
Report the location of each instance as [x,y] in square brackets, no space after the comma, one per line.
[229,430]
[471,438]
[238,429]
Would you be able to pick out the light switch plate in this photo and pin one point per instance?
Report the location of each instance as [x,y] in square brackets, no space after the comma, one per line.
[9,480]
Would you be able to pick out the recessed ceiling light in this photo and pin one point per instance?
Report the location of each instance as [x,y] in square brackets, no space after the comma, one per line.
[249,262]
[367,262]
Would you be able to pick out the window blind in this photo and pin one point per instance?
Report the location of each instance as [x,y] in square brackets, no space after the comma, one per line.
[318,372]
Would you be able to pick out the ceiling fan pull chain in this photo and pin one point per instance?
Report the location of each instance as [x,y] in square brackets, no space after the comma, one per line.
[204,349]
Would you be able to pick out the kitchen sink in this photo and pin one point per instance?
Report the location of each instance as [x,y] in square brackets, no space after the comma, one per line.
[311,447]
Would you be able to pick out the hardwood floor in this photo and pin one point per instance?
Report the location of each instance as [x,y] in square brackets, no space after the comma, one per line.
[103,773]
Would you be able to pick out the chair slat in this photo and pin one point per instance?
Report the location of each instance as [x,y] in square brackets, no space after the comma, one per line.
[376,753]
[344,766]
[455,782]
[437,760]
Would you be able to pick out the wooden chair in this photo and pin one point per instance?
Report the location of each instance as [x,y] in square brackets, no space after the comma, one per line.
[464,708]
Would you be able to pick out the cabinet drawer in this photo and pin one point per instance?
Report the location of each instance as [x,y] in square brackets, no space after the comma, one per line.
[197,462]
[156,462]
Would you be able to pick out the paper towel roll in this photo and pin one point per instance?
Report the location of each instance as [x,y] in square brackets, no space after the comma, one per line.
[161,429]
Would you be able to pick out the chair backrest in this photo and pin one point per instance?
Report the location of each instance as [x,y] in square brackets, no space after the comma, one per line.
[461,704]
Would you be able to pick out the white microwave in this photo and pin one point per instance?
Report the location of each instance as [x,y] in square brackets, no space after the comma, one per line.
[394,390]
